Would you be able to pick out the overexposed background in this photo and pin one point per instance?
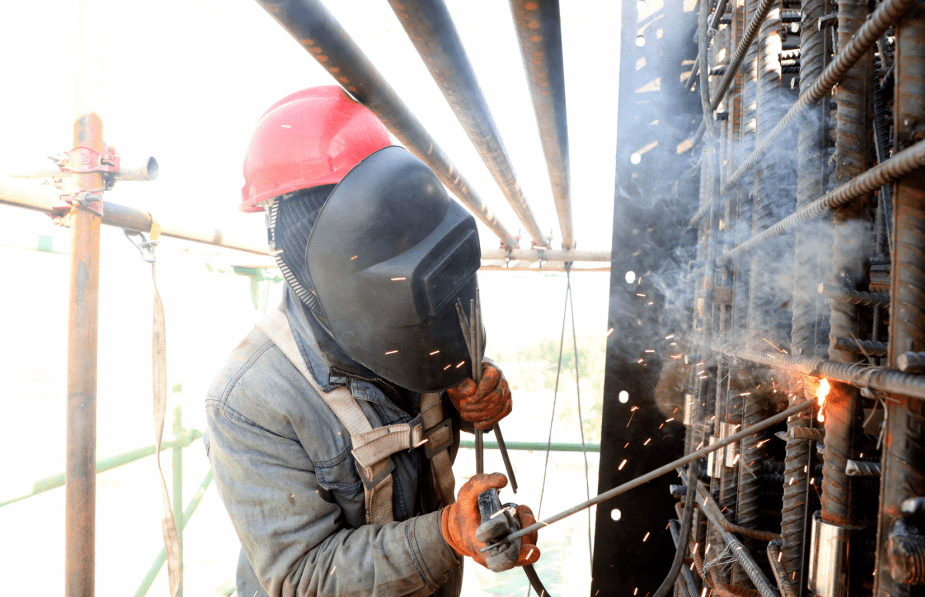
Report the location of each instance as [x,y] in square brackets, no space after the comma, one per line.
[185,82]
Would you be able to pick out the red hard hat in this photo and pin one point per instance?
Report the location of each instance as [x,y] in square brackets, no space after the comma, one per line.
[310,138]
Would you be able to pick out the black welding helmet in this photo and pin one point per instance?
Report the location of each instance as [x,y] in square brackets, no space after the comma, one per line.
[389,256]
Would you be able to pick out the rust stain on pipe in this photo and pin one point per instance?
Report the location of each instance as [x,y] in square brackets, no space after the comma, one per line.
[83,319]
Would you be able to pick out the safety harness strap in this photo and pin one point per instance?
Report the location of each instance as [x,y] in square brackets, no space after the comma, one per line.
[376,475]
[373,446]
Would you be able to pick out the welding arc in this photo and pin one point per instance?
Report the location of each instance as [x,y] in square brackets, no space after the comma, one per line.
[657,472]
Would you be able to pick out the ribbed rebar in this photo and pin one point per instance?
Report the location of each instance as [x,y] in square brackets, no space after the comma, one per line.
[901,164]
[903,475]
[806,308]
[860,297]
[850,235]
[856,374]
[880,20]
[861,468]
[766,202]
[744,46]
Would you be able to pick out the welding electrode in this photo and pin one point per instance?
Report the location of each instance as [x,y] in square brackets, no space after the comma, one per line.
[659,471]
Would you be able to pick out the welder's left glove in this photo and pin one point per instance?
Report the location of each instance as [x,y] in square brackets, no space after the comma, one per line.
[485,405]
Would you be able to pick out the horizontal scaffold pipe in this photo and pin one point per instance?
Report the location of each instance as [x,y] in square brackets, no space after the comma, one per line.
[550,255]
[855,374]
[107,464]
[896,167]
[534,446]
[319,33]
[555,267]
[539,31]
[430,28]
[876,25]
[44,198]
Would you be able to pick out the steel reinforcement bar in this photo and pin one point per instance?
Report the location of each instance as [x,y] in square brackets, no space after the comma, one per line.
[880,20]
[856,374]
[894,168]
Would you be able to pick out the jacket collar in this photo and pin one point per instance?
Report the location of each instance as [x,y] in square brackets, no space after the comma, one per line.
[327,362]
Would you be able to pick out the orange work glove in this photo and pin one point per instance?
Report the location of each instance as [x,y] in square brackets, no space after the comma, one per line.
[485,405]
[459,521]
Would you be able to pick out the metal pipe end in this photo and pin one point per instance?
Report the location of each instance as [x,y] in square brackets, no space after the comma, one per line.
[143,170]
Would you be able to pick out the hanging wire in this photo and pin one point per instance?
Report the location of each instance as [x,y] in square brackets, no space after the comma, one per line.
[569,307]
[581,424]
[552,416]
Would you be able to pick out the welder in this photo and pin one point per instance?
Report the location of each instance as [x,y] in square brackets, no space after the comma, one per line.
[333,426]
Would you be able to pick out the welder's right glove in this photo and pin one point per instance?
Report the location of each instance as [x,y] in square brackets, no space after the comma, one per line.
[459,521]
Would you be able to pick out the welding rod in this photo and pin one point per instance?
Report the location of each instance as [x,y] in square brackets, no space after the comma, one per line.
[656,473]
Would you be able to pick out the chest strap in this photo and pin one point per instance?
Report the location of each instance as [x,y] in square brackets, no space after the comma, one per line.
[373,446]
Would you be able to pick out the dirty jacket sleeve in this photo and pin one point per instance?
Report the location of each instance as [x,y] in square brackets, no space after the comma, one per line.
[293,531]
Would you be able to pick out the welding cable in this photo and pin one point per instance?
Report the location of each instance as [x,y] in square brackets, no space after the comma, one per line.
[668,583]
[667,468]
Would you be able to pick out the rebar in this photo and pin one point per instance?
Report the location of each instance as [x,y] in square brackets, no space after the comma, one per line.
[856,374]
[739,552]
[861,468]
[859,297]
[887,13]
[751,31]
[903,476]
[901,164]
[655,474]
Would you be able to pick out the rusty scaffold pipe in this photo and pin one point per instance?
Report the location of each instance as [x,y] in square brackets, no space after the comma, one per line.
[431,29]
[82,342]
[319,33]
[46,199]
[539,31]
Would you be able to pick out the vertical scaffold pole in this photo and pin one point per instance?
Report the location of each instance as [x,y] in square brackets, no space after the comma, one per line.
[83,319]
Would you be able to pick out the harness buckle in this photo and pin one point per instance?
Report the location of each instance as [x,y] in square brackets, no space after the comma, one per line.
[371,484]
[431,450]
[416,423]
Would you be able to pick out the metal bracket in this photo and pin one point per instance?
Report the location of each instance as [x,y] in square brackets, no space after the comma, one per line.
[81,160]
[431,450]
[144,246]
[91,200]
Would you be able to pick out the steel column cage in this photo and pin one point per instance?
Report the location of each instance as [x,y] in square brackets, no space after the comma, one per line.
[807,266]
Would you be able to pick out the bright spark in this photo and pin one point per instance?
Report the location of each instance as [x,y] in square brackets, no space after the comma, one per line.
[622,464]
[435,352]
[391,352]
[821,392]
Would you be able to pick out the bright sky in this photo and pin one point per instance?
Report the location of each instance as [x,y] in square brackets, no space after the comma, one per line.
[186,81]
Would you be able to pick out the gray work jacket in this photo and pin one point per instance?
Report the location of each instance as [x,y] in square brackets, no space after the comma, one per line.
[284,471]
